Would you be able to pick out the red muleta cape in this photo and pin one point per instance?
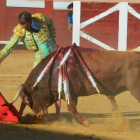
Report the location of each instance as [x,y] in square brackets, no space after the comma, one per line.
[8,112]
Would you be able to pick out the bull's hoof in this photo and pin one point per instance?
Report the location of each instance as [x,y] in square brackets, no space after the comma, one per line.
[86,123]
[30,119]
[82,120]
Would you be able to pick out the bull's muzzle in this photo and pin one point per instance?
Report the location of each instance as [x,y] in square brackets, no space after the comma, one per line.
[42,114]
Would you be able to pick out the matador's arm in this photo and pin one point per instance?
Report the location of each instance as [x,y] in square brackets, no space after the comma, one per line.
[9,47]
[50,25]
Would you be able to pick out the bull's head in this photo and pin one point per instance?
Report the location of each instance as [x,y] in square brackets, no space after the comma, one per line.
[37,99]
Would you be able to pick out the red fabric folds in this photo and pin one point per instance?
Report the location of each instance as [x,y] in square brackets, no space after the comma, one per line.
[8,112]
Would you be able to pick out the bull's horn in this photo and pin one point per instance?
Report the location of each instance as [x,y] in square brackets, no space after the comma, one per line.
[18,93]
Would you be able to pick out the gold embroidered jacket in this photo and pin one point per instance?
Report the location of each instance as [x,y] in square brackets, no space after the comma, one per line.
[37,41]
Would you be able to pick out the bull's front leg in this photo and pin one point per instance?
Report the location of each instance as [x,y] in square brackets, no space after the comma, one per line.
[72,109]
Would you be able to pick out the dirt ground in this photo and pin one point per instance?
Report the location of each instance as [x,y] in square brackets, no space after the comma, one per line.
[104,125]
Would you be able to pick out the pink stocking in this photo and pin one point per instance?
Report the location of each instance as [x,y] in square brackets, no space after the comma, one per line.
[57,106]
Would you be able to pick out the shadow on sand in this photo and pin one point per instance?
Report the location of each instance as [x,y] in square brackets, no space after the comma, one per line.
[10,131]
[124,121]
[42,130]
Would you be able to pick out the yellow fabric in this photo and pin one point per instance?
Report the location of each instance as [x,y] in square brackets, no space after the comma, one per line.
[39,17]
[19,31]
[32,40]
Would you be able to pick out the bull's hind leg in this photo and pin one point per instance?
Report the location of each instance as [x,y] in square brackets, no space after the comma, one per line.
[120,121]
[113,102]
[136,93]
[132,82]
[72,109]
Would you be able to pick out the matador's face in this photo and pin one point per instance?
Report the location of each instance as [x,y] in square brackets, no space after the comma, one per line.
[26,25]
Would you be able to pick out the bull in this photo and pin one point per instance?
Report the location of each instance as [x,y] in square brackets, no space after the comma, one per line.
[113,71]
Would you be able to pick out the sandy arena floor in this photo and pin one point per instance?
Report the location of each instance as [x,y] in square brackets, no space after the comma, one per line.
[97,109]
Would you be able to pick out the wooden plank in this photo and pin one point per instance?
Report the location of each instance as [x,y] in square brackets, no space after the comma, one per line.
[95,5]
[105,1]
[60,13]
[76,22]
[101,29]
[25,3]
[123,19]
[106,38]
[86,43]
[18,10]
[60,21]
[136,7]
[64,41]
[63,33]
[90,14]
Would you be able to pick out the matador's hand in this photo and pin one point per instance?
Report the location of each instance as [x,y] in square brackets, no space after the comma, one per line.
[70,27]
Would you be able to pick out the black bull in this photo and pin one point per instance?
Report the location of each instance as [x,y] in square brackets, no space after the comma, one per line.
[113,71]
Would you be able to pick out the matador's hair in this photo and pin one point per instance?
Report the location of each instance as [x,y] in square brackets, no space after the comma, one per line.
[25,16]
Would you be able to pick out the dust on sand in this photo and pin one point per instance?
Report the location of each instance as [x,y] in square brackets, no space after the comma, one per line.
[104,124]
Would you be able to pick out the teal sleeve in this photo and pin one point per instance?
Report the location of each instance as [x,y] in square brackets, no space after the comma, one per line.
[50,25]
[9,47]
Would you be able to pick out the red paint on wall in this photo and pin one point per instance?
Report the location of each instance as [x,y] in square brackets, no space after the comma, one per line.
[105,29]
[48,11]
[3,19]
[133,35]
[64,36]
[96,6]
